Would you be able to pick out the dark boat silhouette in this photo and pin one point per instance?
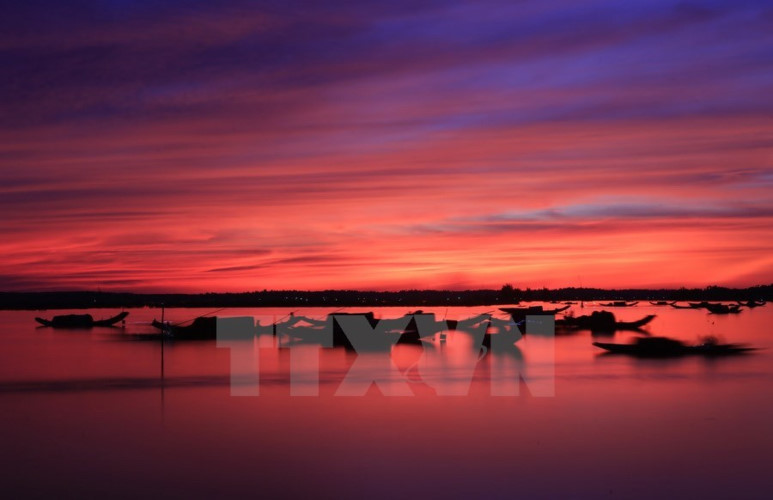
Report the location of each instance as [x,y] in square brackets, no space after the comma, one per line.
[507,334]
[421,325]
[413,328]
[80,321]
[202,328]
[618,303]
[297,329]
[205,328]
[751,304]
[602,321]
[519,313]
[663,347]
[723,309]
[716,308]
[662,303]
[469,322]
[677,306]
[340,339]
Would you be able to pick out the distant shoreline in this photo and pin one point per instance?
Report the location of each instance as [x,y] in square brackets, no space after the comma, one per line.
[353,298]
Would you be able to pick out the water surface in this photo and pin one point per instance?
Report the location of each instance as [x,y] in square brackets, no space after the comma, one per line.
[87,412]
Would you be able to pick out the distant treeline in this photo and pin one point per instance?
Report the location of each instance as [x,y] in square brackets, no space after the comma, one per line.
[352,298]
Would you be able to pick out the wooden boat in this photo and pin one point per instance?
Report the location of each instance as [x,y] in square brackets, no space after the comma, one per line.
[536,310]
[305,335]
[602,321]
[751,304]
[205,328]
[716,308]
[723,309]
[663,347]
[202,328]
[421,325]
[494,333]
[519,313]
[507,334]
[412,328]
[619,303]
[340,339]
[80,321]
[662,303]
[293,320]
[470,322]
[677,306]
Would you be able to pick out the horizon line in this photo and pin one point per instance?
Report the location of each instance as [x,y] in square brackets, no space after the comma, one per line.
[331,290]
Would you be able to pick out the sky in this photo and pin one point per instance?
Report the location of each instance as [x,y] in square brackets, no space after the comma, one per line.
[236,146]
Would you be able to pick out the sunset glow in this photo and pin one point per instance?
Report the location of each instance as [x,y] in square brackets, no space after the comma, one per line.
[392,145]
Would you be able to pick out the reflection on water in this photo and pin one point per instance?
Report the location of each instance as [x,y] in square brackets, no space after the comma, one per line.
[88,412]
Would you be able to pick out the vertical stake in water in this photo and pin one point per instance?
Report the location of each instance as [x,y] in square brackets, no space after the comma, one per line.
[163,332]
[162,344]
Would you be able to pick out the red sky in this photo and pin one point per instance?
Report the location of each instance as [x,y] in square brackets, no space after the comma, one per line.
[223,148]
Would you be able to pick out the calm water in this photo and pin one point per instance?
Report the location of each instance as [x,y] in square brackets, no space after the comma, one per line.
[87,413]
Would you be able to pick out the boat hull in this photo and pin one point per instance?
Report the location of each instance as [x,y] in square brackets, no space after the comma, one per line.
[203,328]
[603,321]
[80,321]
[668,348]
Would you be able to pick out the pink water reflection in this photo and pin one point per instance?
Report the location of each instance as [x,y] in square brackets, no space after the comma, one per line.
[85,412]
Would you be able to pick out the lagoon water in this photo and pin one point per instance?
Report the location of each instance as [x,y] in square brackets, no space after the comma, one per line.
[88,412]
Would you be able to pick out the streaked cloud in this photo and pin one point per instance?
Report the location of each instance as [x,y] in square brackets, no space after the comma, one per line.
[238,146]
